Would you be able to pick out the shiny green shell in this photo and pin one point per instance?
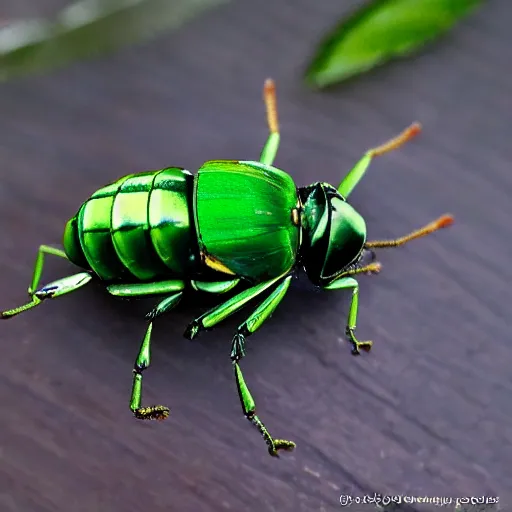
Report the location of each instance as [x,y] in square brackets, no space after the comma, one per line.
[138,228]
[232,218]
[247,218]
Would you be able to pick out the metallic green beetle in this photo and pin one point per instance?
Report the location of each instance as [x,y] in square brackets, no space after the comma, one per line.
[235,223]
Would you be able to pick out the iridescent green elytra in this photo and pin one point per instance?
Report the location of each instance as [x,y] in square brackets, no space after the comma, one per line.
[234,224]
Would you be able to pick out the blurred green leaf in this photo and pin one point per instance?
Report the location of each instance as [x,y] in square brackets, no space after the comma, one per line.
[379,32]
[87,28]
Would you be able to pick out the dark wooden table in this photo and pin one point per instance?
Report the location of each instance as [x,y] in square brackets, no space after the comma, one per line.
[428,412]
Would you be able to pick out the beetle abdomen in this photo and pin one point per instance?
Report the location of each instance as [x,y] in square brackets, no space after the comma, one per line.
[139,227]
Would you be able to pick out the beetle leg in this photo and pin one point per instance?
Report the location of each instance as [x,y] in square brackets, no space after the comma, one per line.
[253,323]
[214,286]
[349,282]
[38,266]
[153,412]
[269,151]
[175,288]
[221,312]
[51,291]
[145,289]
[249,408]
[350,181]
[257,318]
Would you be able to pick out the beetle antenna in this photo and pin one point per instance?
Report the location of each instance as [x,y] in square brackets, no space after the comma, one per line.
[442,222]
[397,141]
[354,176]
[269,96]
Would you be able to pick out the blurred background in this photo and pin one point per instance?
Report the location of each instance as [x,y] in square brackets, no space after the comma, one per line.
[426,413]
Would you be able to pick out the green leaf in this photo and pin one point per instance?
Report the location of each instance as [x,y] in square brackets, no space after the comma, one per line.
[87,28]
[381,31]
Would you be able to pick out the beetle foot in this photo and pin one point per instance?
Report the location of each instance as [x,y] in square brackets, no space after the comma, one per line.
[153,412]
[280,444]
[192,330]
[5,315]
[238,347]
[365,345]
[9,313]
[374,268]
[356,344]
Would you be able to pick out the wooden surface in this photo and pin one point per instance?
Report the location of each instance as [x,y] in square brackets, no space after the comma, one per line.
[428,412]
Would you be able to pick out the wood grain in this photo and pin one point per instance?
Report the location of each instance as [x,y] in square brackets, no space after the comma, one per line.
[428,412]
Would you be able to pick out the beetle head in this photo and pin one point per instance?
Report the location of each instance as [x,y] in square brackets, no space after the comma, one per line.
[333,233]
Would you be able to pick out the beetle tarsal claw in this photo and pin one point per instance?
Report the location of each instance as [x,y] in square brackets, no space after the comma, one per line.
[374,268]
[153,412]
[356,344]
[365,345]
[281,444]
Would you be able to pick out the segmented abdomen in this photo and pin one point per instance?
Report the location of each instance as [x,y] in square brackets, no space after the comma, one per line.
[139,228]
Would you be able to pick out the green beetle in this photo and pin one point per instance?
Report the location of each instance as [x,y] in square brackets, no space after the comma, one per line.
[235,223]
